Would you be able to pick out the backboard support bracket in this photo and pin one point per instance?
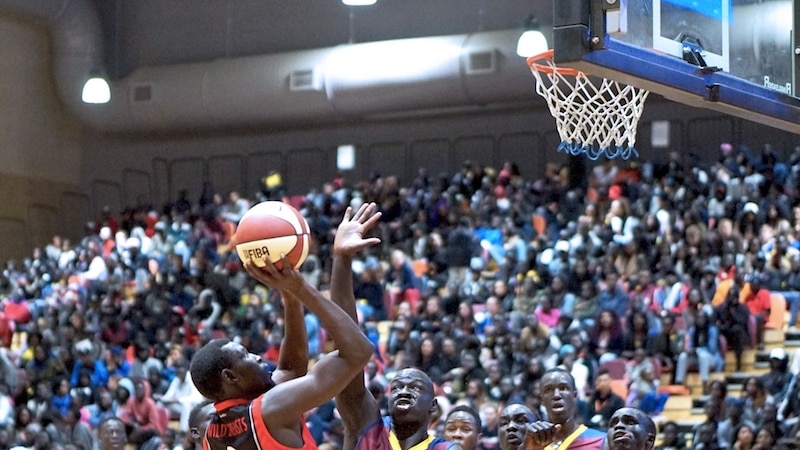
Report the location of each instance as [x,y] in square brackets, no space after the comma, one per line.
[597,18]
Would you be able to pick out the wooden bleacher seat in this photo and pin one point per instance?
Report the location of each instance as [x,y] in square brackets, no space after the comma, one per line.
[539,224]
[777,312]
[420,267]
[684,405]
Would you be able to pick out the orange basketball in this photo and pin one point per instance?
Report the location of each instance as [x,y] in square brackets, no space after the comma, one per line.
[272,229]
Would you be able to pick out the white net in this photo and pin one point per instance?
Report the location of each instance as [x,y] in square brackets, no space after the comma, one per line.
[594,117]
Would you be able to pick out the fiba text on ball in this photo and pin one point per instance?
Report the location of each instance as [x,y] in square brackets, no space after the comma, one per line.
[257,252]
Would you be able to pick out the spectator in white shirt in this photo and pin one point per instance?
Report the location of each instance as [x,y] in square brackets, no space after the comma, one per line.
[181,397]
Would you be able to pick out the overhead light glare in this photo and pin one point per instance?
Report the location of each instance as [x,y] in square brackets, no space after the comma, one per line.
[532,42]
[359,2]
[96,91]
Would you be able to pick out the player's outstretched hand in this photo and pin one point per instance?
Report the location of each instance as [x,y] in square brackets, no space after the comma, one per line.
[350,235]
[540,434]
[284,279]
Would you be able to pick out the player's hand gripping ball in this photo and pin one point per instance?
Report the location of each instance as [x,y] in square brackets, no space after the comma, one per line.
[272,229]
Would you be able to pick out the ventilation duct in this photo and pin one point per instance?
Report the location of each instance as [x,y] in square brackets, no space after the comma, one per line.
[312,86]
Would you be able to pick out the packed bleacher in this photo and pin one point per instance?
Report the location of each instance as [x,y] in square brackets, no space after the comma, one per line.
[671,286]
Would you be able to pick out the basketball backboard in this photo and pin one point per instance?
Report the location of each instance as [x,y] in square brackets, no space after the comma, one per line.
[739,57]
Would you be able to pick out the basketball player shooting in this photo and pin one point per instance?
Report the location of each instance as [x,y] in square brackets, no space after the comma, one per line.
[253,410]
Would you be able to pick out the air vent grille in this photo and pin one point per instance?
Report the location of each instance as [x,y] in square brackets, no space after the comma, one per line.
[142,93]
[304,80]
[481,62]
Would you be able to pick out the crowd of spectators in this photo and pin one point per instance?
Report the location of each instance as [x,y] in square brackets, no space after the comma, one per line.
[484,279]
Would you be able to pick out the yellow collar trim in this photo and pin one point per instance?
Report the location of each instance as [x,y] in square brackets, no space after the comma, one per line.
[564,445]
[396,443]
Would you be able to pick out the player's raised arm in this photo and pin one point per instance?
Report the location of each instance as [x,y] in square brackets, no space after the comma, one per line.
[356,405]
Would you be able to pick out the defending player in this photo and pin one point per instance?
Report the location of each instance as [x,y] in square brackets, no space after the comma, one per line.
[564,432]
[411,395]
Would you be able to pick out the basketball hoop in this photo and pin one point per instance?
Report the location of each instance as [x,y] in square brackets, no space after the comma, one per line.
[595,118]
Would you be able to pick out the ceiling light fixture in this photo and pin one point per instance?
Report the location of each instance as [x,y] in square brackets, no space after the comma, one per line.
[532,42]
[96,91]
[359,2]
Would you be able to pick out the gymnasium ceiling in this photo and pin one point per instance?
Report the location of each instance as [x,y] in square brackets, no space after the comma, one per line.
[160,32]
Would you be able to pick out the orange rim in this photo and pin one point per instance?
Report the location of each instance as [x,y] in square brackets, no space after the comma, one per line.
[546,68]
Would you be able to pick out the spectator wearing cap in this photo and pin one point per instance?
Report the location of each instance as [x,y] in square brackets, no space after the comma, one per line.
[757,299]
[777,380]
[135,263]
[748,222]
[108,243]
[89,362]
[559,263]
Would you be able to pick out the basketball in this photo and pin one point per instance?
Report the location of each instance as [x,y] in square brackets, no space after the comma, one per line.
[272,228]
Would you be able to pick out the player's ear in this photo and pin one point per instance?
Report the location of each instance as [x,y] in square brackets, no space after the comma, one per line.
[228,376]
[434,405]
[651,440]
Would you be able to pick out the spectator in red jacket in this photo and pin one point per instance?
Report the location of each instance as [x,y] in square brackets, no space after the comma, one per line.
[757,300]
[140,413]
